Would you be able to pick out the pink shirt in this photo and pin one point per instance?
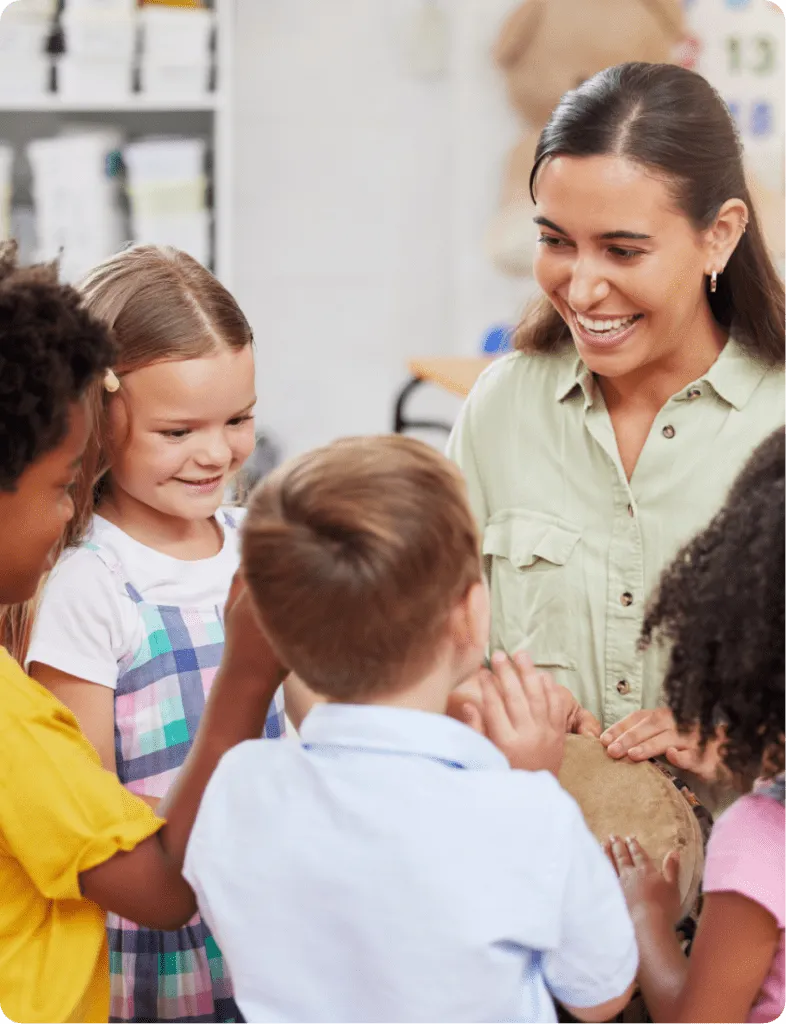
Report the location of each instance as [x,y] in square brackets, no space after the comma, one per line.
[745,854]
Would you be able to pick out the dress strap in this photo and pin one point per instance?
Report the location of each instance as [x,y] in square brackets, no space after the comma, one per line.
[115,567]
[229,519]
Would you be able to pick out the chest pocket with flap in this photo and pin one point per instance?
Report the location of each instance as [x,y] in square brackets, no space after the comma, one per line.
[531,596]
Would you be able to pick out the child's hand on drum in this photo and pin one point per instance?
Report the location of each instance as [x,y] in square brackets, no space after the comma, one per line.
[577,719]
[646,888]
[522,713]
[465,703]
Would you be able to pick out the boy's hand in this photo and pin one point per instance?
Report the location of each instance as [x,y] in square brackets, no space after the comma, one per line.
[247,655]
[645,887]
[522,715]
[465,703]
[577,719]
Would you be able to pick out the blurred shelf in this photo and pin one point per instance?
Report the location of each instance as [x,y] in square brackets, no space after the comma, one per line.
[135,102]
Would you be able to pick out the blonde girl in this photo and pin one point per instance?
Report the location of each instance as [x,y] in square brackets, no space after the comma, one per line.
[129,628]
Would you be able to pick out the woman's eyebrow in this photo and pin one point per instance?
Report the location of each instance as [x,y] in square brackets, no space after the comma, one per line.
[635,236]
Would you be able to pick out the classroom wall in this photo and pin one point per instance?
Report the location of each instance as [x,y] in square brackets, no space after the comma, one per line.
[363,192]
[362,195]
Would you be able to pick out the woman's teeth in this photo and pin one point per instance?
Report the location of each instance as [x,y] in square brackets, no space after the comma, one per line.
[601,326]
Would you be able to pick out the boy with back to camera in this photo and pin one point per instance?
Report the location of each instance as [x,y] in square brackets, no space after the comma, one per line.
[394,867]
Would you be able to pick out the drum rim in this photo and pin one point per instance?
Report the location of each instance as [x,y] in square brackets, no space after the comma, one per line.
[691,854]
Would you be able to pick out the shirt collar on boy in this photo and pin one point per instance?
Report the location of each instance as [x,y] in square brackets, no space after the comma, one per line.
[734,376]
[403,731]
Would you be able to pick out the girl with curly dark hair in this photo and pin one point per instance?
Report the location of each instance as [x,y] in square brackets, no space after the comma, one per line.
[720,611]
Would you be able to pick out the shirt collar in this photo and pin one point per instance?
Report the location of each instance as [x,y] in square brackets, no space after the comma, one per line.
[401,731]
[574,374]
[734,376]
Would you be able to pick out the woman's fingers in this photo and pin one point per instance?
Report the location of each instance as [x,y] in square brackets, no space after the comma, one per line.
[619,728]
[651,725]
[655,747]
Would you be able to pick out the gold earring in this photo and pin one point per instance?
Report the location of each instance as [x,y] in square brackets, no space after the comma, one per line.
[714,281]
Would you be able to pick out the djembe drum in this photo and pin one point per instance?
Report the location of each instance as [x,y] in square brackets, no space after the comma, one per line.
[645,800]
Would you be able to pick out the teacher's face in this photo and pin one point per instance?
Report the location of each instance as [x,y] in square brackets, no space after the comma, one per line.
[620,263]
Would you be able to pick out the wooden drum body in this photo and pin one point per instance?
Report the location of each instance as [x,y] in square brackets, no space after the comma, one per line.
[642,799]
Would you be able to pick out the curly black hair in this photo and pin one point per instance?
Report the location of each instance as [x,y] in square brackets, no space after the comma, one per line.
[50,350]
[720,605]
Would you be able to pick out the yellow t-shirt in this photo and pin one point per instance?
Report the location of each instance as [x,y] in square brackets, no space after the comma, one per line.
[61,813]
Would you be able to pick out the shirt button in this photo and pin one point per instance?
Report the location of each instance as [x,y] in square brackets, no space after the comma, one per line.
[623,687]
[668,431]
[693,393]
[631,513]
[626,599]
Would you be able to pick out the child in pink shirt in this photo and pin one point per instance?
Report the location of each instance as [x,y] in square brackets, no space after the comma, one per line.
[745,856]
[720,607]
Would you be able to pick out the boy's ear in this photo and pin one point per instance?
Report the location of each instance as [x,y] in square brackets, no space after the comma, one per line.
[470,619]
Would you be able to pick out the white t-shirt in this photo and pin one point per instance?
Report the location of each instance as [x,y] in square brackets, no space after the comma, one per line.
[363,877]
[88,624]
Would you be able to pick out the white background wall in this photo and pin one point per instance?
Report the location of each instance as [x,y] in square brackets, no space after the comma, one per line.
[362,196]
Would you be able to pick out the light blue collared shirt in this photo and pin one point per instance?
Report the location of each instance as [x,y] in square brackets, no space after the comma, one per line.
[365,876]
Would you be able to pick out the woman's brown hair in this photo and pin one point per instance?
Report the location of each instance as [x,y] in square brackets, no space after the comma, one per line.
[671,120]
[159,304]
[355,555]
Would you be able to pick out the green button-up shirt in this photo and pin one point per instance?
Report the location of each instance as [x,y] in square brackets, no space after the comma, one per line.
[573,549]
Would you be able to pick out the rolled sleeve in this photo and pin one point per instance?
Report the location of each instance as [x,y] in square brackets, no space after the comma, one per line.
[61,812]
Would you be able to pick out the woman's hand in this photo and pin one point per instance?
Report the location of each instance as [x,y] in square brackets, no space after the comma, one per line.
[522,715]
[644,734]
[646,889]
[707,764]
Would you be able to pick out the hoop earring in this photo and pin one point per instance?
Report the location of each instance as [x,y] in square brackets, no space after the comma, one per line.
[714,281]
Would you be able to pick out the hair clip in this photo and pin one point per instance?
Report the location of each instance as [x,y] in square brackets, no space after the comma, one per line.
[111,383]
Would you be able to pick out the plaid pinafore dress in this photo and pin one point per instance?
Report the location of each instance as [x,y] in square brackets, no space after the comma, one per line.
[160,695]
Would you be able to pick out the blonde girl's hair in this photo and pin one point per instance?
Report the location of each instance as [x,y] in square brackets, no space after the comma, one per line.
[160,304]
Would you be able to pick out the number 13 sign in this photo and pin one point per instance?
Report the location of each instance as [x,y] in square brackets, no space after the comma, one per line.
[741,51]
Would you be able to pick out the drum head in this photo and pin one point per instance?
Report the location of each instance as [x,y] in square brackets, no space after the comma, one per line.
[634,799]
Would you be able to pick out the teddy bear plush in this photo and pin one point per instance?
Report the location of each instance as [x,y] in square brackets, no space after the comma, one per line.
[545,48]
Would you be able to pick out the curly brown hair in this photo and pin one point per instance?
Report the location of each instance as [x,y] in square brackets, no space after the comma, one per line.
[51,348]
[720,605]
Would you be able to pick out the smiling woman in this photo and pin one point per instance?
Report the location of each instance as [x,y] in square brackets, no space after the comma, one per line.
[644,376]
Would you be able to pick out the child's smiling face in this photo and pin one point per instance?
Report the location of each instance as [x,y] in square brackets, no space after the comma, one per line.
[35,514]
[181,430]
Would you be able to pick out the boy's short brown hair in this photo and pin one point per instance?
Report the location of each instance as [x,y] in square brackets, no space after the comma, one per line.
[354,555]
